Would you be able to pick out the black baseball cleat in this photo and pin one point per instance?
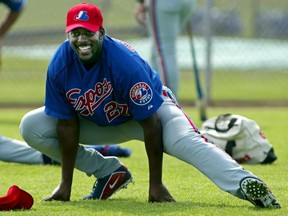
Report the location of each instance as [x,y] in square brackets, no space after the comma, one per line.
[105,187]
[257,192]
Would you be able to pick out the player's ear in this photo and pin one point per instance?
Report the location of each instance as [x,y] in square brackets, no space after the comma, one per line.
[101,32]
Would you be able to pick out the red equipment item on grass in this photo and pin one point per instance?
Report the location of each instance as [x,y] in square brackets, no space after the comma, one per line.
[16,198]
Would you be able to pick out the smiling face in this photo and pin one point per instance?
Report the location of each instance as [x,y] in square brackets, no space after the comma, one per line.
[86,44]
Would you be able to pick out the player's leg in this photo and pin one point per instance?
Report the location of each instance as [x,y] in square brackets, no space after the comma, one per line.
[39,131]
[12,150]
[17,151]
[164,29]
[182,140]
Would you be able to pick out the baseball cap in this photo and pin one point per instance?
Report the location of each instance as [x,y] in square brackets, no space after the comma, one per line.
[84,15]
[16,198]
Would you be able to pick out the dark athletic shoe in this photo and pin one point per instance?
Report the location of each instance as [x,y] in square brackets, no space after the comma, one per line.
[112,150]
[257,192]
[105,187]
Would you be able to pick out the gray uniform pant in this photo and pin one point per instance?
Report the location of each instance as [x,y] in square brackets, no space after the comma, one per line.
[180,136]
[166,20]
[12,150]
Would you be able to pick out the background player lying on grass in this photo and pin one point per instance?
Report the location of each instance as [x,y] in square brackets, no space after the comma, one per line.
[17,151]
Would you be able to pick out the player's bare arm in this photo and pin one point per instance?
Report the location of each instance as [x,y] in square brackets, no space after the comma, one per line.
[8,22]
[68,135]
[154,148]
[140,12]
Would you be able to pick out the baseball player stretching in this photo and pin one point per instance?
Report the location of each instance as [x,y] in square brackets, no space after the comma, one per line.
[99,90]
[165,21]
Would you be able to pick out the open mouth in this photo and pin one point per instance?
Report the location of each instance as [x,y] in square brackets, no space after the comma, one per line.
[85,49]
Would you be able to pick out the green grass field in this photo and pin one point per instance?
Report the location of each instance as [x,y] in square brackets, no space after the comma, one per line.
[195,194]
[22,84]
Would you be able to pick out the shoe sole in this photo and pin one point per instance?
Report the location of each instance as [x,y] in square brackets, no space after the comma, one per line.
[258,193]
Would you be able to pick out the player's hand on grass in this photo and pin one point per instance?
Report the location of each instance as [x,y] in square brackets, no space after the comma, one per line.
[61,193]
[159,193]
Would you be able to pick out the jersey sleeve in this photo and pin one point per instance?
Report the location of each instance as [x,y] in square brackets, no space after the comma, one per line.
[143,97]
[56,103]
[135,82]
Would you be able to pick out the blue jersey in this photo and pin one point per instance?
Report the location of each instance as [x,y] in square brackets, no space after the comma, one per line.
[14,5]
[119,87]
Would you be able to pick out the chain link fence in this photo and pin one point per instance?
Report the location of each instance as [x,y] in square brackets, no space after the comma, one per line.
[241,47]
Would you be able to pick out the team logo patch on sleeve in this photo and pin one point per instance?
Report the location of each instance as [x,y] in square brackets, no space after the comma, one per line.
[141,93]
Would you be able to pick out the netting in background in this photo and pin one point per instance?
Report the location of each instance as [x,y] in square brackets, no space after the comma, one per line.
[242,56]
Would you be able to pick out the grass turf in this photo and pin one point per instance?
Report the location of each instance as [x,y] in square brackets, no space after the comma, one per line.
[22,81]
